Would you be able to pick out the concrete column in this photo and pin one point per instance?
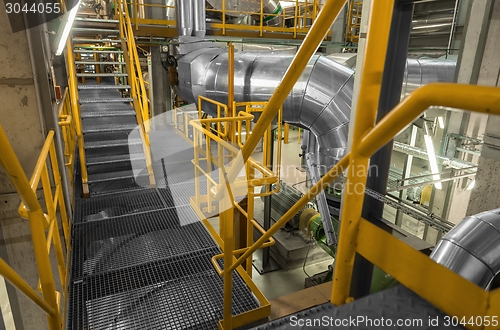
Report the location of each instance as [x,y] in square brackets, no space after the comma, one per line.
[478,64]
[486,195]
[161,89]
[22,121]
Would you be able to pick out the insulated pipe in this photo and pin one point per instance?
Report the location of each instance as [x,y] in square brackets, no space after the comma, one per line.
[471,249]
[184,17]
[199,18]
[320,101]
[422,154]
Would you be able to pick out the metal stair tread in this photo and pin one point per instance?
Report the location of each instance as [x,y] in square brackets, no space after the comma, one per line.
[107,100]
[109,159]
[108,128]
[111,143]
[77,41]
[99,51]
[113,113]
[102,86]
[111,176]
[118,74]
[99,63]
[95,30]
[96,20]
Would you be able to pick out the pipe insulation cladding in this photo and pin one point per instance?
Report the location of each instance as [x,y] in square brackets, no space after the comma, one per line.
[191,18]
[472,248]
[320,101]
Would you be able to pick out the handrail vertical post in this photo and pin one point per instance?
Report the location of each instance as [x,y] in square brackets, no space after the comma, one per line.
[371,83]
[73,92]
[230,90]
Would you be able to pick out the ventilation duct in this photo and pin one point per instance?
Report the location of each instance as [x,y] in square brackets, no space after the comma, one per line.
[320,101]
[471,249]
[191,18]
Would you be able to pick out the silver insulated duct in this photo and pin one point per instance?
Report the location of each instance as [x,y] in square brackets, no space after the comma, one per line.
[191,18]
[472,248]
[320,101]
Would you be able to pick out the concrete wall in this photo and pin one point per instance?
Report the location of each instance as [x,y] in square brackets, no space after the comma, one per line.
[19,115]
[20,118]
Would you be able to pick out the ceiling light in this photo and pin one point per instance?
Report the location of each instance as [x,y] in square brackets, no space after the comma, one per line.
[432,161]
[65,28]
[471,185]
[441,122]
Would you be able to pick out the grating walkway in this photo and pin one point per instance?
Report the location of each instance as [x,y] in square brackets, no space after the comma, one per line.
[141,257]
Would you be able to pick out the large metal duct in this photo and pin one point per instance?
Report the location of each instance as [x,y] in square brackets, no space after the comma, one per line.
[191,18]
[471,249]
[320,101]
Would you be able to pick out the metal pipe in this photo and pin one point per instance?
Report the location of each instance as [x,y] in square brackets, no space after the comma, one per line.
[471,248]
[199,18]
[184,17]
[422,154]
[320,100]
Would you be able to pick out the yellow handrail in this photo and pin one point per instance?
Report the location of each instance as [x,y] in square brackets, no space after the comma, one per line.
[75,109]
[67,121]
[10,163]
[138,88]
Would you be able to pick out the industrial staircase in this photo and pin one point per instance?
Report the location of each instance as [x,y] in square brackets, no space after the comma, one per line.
[106,109]
[140,258]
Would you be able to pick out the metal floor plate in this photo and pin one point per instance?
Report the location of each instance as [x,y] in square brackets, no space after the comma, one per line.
[184,292]
[392,306]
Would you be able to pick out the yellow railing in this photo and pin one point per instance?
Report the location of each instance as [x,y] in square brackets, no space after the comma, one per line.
[443,288]
[68,128]
[292,21]
[138,90]
[204,132]
[353,20]
[139,11]
[44,227]
[75,112]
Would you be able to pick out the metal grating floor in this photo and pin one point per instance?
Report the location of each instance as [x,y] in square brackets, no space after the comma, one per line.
[139,262]
[184,292]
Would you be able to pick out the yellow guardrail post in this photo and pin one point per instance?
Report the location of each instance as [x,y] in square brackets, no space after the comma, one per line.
[10,163]
[73,91]
[138,89]
[371,82]
[313,39]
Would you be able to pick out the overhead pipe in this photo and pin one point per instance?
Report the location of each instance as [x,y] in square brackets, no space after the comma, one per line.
[471,249]
[320,100]
[422,154]
[191,18]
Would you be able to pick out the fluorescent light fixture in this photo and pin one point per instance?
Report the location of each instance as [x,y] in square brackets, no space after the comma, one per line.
[471,185]
[432,161]
[441,122]
[66,24]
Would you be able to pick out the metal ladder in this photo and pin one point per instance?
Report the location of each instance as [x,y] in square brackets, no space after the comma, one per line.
[106,111]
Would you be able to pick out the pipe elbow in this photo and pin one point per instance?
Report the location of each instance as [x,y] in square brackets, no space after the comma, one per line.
[472,248]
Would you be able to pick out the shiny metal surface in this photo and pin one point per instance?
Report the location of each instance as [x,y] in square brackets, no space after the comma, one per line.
[199,18]
[171,9]
[472,248]
[184,17]
[422,154]
[320,100]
